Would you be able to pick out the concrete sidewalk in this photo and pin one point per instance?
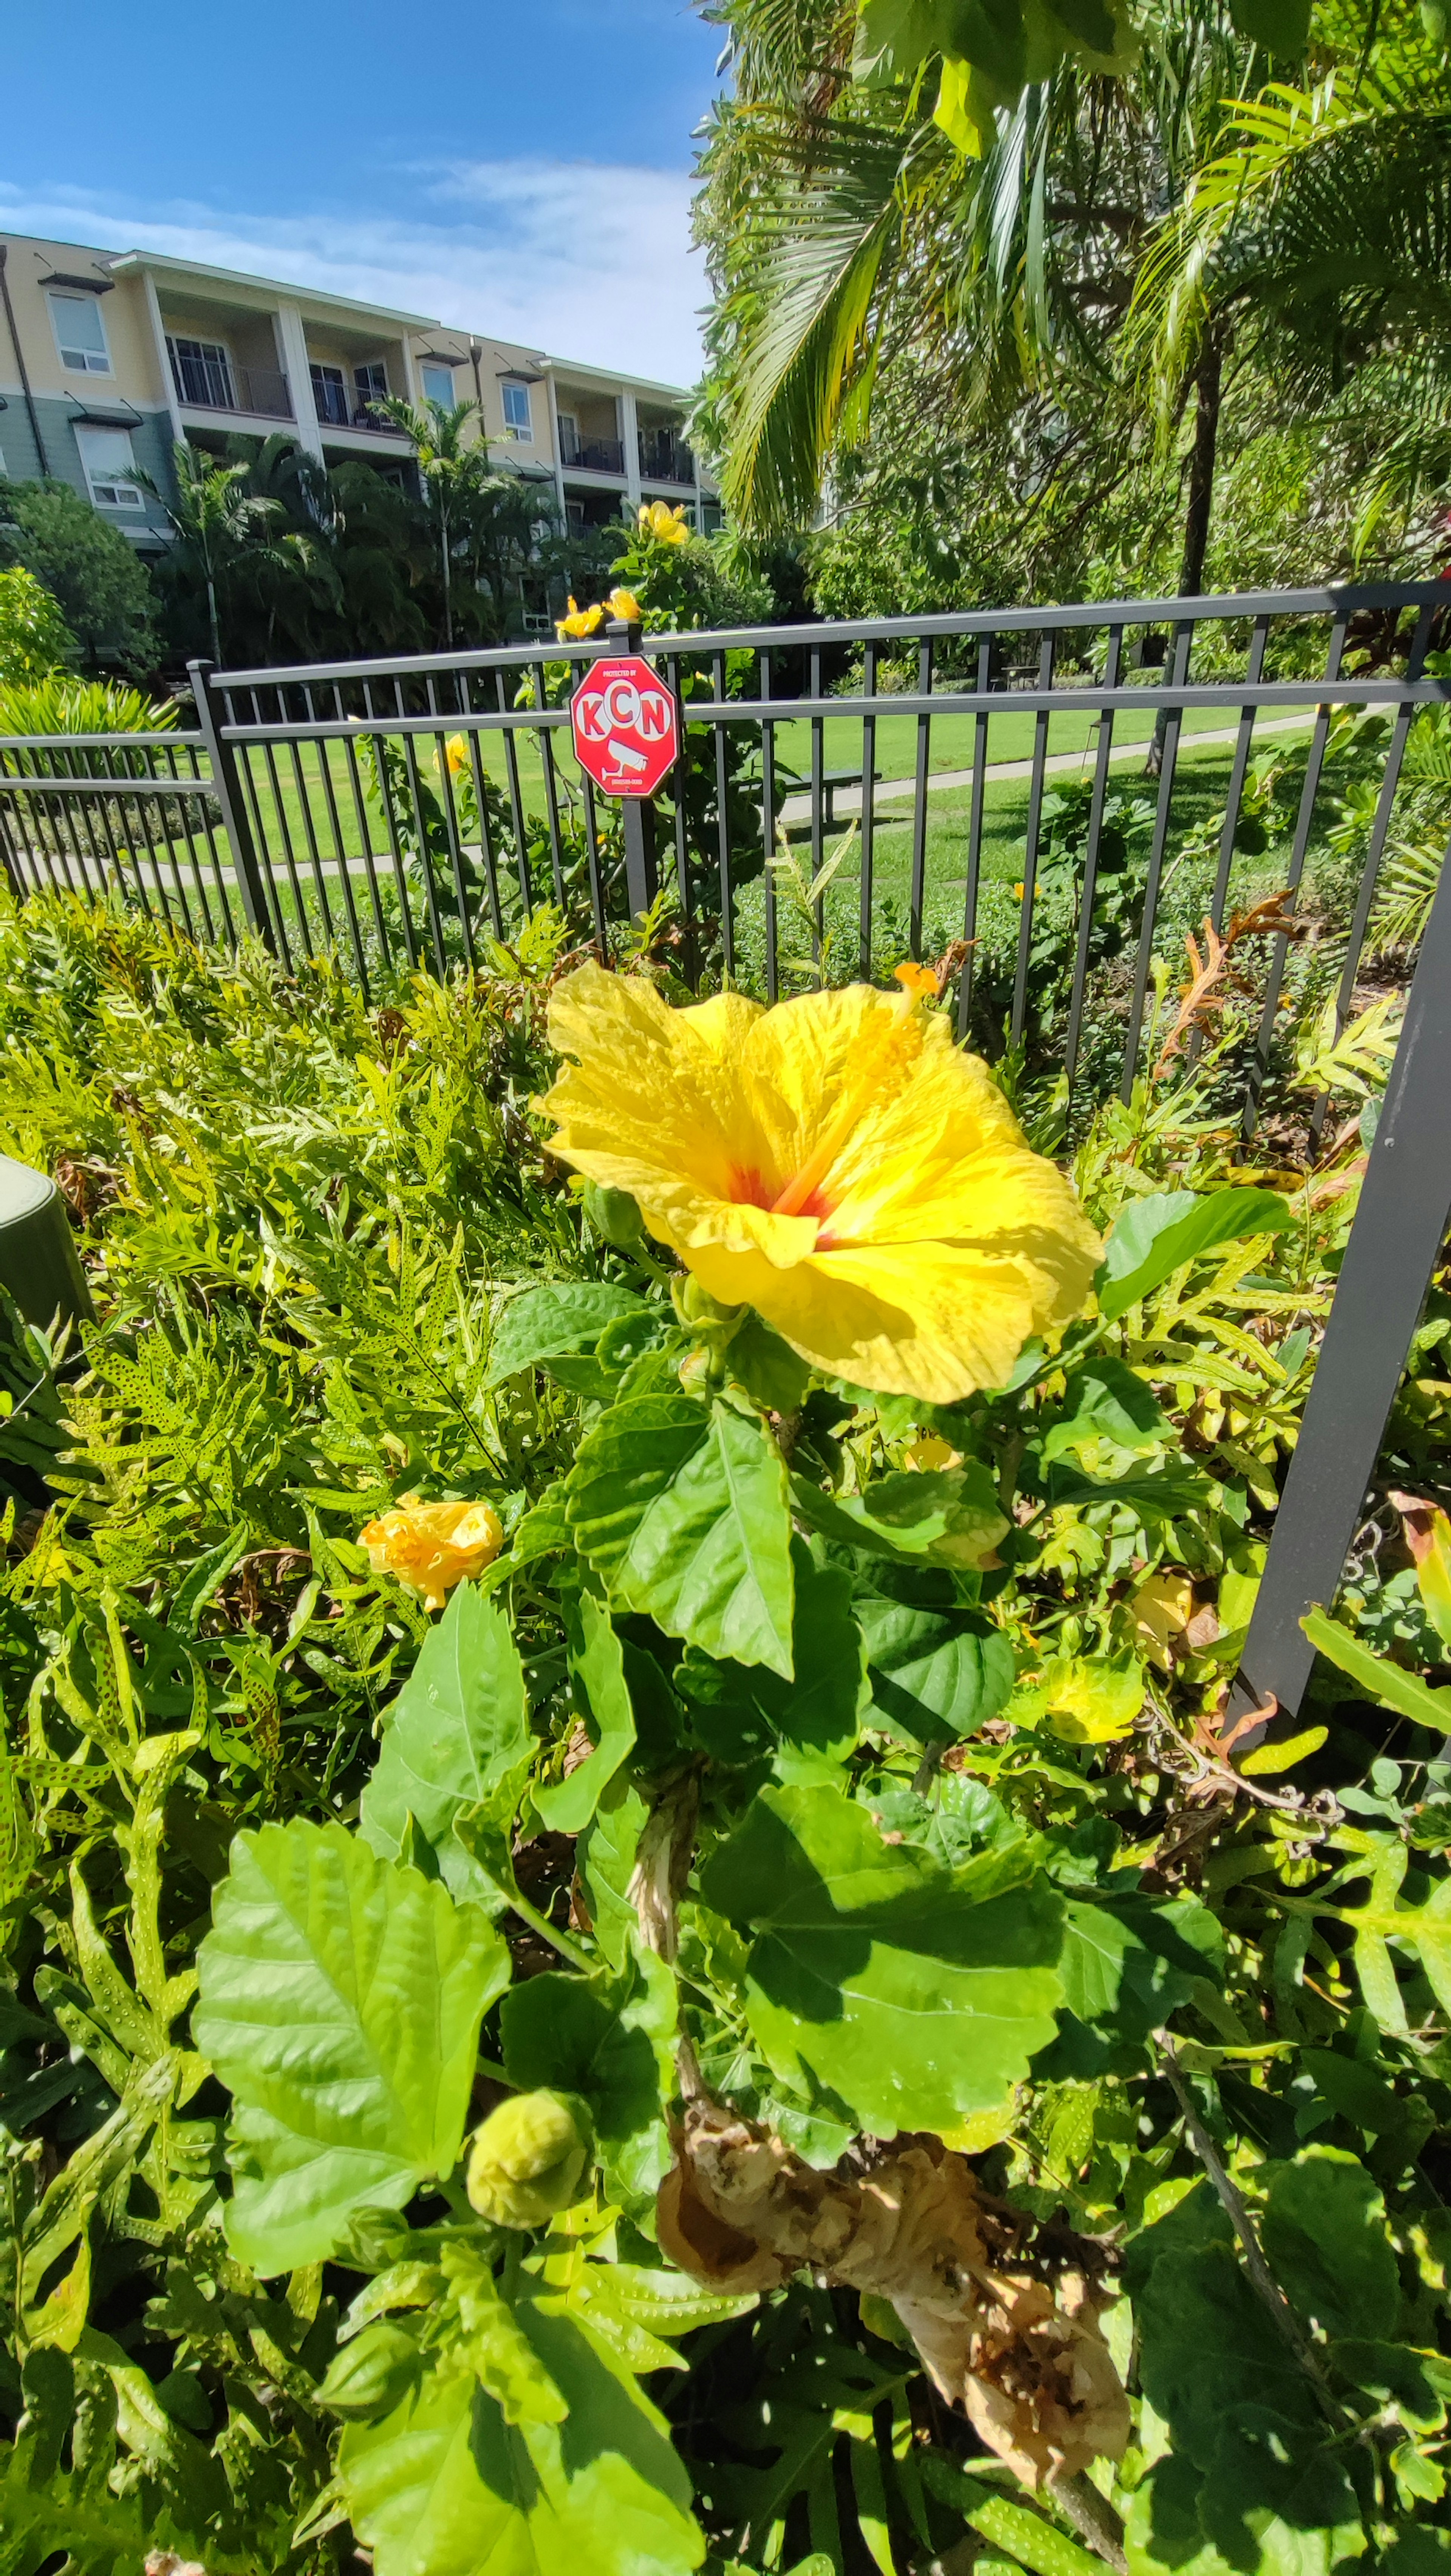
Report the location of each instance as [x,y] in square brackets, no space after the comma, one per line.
[797,809]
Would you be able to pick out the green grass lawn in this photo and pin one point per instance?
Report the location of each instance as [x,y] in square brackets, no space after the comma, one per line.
[310,810]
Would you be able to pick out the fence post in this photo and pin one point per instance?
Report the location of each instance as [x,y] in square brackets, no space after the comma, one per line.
[1405,1200]
[250,882]
[637,813]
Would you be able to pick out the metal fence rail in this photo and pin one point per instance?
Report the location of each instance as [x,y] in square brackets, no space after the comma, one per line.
[396,813]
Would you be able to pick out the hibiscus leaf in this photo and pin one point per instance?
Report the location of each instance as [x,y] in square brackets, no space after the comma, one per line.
[936,1674]
[457,1736]
[549,1323]
[599,1673]
[444,2484]
[683,1509]
[1324,2231]
[915,1991]
[746,1713]
[611,2040]
[341,1998]
[1157,1236]
[943,1516]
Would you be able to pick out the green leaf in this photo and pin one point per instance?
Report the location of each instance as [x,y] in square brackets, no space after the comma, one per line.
[1281,26]
[1028,2538]
[599,1675]
[1206,2343]
[630,2306]
[610,2039]
[1128,1963]
[340,2002]
[1376,1675]
[683,1510]
[546,1323]
[443,2487]
[941,1516]
[935,1674]
[1157,1236]
[457,1736]
[770,1371]
[747,1713]
[914,1991]
[1104,1400]
[1324,2234]
[606,1862]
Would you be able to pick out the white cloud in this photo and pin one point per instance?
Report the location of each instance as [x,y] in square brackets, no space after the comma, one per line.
[581,259]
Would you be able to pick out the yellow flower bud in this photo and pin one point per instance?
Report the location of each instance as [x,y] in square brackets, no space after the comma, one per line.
[526,2161]
[456,752]
[432,1546]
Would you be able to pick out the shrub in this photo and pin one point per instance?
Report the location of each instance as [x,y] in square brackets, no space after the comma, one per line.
[99,582]
[34,637]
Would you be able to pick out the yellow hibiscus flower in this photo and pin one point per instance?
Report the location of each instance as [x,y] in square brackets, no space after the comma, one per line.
[837,1163]
[623,603]
[432,1546]
[580,621]
[657,519]
[456,752]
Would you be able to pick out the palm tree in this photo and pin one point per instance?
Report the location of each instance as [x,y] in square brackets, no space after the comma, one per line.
[436,431]
[1317,244]
[218,522]
[846,228]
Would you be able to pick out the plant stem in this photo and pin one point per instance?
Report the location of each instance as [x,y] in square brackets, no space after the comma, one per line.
[1237,2211]
[549,1932]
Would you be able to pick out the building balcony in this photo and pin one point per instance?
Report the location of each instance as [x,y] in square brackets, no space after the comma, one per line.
[592,455]
[665,458]
[207,383]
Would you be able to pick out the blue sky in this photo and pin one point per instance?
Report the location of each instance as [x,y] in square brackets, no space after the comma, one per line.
[522,168]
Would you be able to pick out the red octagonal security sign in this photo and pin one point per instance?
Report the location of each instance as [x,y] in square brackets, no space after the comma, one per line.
[625,730]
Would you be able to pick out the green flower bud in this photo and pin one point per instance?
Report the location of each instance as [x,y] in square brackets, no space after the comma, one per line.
[526,2160]
[614,1215]
[373,2374]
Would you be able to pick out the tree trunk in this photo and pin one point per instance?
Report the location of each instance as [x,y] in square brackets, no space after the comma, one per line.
[1208,387]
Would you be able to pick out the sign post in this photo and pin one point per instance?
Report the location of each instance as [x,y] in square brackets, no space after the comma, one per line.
[627,739]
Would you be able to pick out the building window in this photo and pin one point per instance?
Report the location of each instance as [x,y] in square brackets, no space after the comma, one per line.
[203,374]
[371,385]
[80,333]
[109,465]
[329,394]
[518,418]
[437,383]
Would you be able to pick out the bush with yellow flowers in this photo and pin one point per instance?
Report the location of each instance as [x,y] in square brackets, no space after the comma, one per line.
[632,1934]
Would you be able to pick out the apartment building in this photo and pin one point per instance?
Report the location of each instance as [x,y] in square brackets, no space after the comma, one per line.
[108,358]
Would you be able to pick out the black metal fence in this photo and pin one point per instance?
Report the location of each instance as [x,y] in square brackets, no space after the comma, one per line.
[1061,789]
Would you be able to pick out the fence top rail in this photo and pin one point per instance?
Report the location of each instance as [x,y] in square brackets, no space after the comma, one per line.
[1235,696]
[1341,600]
[102,742]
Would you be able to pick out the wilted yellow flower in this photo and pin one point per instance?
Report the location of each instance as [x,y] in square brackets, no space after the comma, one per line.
[837,1163]
[657,519]
[432,1546]
[623,603]
[580,621]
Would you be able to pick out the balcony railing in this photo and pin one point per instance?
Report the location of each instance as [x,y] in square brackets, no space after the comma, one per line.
[214,384]
[665,458]
[594,455]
